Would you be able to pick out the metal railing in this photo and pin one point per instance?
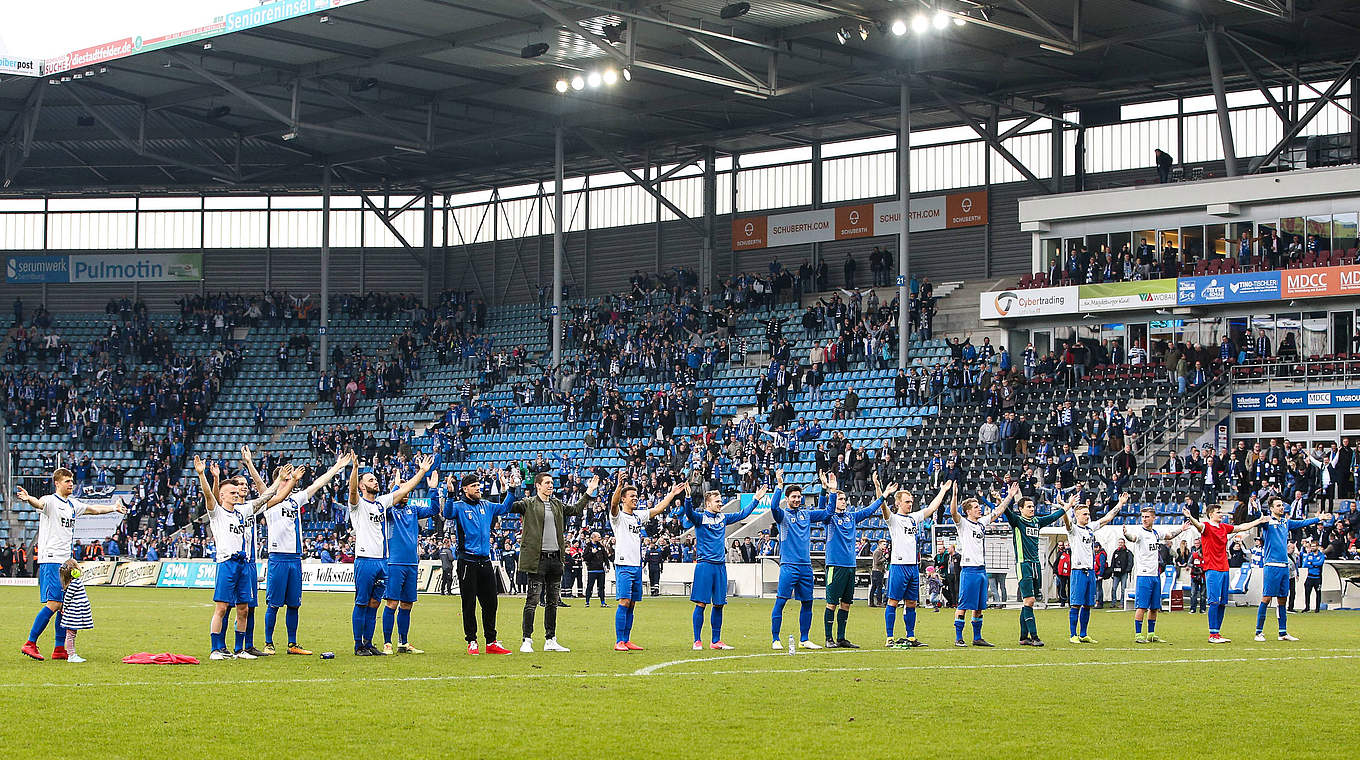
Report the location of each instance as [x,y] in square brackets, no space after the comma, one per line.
[1298,374]
[1188,411]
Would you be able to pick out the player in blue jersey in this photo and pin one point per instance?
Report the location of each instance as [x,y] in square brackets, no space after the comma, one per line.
[710,571]
[402,522]
[627,527]
[795,560]
[470,519]
[1275,577]
[840,556]
[283,520]
[904,582]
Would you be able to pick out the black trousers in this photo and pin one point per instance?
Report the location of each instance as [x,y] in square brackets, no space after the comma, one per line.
[1292,585]
[654,578]
[477,585]
[594,578]
[545,583]
[1310,587]
[446,578]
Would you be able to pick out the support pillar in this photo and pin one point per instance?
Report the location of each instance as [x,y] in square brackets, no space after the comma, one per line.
[904,229]
[1221,102]
[558,211]
[324,344]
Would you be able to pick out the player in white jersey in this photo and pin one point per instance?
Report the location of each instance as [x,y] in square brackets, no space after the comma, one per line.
[231,519]
[368,520]
[283,520]
[627,527]
[56,533]
[904,582]
[972,527]
[1081,535]
[1143,539]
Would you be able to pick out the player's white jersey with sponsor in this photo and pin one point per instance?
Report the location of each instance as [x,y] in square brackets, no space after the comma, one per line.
[1082,539]
[972,537]
[902,531]
[1143,543]
[627,539]
[57,527]
[284,521]
[368,521]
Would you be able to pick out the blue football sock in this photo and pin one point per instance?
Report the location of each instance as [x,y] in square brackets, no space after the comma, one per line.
[777,617]
[370,624]
[1073,614]
[909,622]
[1152,625]
[1261,617]
[60,630]
[958,629]
[240,641]
[621,623]
[250,629]
[403,624]
[716,619]
[696,620]
[389,622]
[217,641]
[628,625]
[977,628]
[1084,618]
[271,614]
[1137,626]
[1215,611]
[804,620]
[45,614]
[291,620]
[356,621]
[890,619]
[1282,613]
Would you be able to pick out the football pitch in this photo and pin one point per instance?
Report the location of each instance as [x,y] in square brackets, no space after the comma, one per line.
[1113,699]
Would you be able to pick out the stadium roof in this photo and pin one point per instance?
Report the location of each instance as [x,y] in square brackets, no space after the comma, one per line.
[435,94]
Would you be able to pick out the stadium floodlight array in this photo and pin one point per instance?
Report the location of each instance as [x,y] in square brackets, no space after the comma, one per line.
[593,79]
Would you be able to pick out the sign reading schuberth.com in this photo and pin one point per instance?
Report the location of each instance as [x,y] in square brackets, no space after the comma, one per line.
[942,212]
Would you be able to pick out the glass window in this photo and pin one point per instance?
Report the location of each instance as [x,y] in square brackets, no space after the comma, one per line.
[1351,421]
[1244,425]
[1292,229]
[1343,327]
[1314,329]
[1319,233]
[1051,252]
[1273,424]
[1324,422]
[1241,237]
[1192,244]
[1288,325]
[1216,242]
[1344,232]
[1267,242]
[1298,423]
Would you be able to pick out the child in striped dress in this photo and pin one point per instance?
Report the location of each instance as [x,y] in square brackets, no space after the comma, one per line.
[75,607]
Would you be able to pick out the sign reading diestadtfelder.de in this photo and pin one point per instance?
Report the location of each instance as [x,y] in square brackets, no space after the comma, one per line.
[941,212]
[111,267]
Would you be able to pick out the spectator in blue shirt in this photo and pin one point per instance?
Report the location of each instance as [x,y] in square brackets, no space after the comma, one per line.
[1312,561]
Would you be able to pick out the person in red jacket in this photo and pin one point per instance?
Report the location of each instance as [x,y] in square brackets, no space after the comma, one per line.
[1197,587]
[1062,571]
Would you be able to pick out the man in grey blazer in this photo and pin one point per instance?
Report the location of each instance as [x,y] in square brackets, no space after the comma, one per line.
[542,541]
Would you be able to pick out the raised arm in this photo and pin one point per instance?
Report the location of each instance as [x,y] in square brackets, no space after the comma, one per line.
[255,478]
[1112,512]
[326,477]
[949,486]
[885,497]
[23,496]
[423,463]
[209,501]
[954,507]
[617,496]
[354,482]
[1246,526]
[740,515]
[661,506]
[1190,518]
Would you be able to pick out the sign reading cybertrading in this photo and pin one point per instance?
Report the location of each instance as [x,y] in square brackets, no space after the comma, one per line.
[1031,302]
[1116,296]
[187,574]
[940,212]
[1228,288]
[1262,402]
[1322,281]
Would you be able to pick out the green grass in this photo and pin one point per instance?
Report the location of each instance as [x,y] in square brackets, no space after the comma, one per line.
[1107,700]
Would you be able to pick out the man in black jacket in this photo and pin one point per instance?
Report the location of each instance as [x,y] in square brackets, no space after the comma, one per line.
[596,558]
[1121,564]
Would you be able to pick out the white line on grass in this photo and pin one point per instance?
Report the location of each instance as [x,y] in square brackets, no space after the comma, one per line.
[652,673]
